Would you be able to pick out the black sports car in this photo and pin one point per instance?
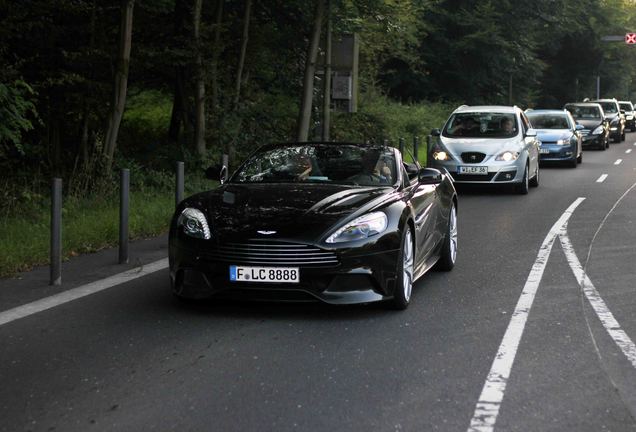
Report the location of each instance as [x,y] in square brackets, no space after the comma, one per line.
[341,223]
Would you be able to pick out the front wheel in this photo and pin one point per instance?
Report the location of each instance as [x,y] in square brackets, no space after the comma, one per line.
[404,282]
[580,158]
[449,249]
[535,180]
[522,188]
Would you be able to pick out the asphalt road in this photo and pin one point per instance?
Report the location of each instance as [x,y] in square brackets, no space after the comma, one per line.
[131,358]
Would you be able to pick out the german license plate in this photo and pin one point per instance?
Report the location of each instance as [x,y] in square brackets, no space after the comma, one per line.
[479,170]
[545,151]
[264,274]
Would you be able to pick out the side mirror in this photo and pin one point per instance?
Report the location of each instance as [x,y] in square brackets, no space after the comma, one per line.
[429,176]
[531,132]
[217,172]
[622,111]
[435,132]
[579,127]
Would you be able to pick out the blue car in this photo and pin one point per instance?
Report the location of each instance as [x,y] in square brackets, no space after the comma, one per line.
[559,134]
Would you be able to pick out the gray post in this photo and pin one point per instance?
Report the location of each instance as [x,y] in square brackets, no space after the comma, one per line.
[416,142]
[56,232]
[429,148]
[178,194]
[124,186]
[401,146]
[326,108]
[598,86]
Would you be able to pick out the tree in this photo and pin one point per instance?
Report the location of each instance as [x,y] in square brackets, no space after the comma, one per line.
[120,87]
[199,98]
[304,116]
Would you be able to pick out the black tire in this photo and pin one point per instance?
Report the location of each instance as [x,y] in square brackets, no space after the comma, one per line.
[404,288]
[448,255]
[623,136]
[522,188]
[580,158]
[534,181]
[573,163]
[617,139]
[634,128]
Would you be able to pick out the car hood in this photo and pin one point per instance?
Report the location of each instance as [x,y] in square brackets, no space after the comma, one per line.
[590,124]
[488,146]
[291,211]
[553,135]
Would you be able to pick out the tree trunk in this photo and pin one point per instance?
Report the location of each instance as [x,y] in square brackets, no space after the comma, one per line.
[179,114]
[215,56]
[326,108]
[241,64]
[304,116]
[121,81]
[199,99]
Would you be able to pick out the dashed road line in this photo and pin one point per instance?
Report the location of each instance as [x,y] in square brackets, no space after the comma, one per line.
[628,151]
[81,291]
[601,179]
[492,394]
[618,161]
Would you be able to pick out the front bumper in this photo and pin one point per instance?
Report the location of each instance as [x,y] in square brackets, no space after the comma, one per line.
[355,278]
[557,152]
[593,141]
[498,172]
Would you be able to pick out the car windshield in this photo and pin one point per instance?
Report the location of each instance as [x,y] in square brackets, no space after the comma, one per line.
[320,163]
[609,107]
[626,106]
[481,125]
[548,121]
[584,112]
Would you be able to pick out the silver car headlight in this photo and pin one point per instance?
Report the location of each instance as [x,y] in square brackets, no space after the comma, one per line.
[441,155]
[360,228]
[508,156]
[598,130]
[194,223]
[565,141]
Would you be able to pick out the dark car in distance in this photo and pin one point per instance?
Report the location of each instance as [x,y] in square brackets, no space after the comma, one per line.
[630,114]
[596,130]
[559,135]
[615,116]
[335,222]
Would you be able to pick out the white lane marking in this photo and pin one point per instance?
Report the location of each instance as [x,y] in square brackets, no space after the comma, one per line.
[628,151]
[596,301]
[79,292]
[618,161]
[492,394]
[601,179]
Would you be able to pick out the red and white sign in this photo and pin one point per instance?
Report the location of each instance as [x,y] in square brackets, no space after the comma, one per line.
[630,38]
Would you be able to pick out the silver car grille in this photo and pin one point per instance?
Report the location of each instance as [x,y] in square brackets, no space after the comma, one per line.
[472,157]
[272,253]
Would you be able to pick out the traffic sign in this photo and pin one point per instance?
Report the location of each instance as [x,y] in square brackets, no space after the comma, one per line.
[630,38]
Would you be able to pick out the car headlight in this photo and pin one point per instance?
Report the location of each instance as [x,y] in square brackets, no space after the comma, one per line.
[441,156]
[508,156]
[598,130]
[194,223]
[360,228]
[565,141]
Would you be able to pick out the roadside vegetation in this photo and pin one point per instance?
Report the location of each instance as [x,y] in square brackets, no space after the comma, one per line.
[87,88]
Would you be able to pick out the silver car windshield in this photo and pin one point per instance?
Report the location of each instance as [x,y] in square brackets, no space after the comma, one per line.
[548,121]
[320,163]
[609,107]
[481,125]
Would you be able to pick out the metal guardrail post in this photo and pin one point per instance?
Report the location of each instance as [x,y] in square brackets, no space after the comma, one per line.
[401,145]
[416,144]
[124,198]
[56,232]
[179,186]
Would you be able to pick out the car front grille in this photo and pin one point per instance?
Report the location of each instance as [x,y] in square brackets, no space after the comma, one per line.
[473,157]
[585,132]
[472,177]
[273,253]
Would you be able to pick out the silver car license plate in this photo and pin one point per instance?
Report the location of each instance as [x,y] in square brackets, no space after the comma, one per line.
[264,274]
[479,170]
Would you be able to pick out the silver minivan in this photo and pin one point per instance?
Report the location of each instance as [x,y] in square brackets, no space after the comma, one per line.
[487,145]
